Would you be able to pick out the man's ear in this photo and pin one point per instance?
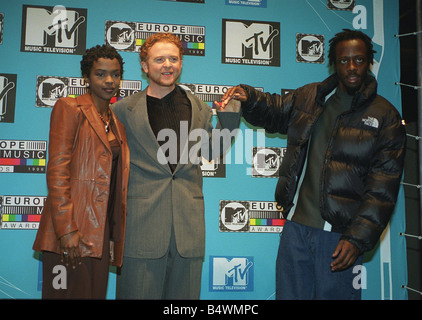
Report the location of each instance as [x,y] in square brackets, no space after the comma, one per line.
[144,66]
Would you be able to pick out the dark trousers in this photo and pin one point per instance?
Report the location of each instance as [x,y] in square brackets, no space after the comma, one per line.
[87,281]
[303,266]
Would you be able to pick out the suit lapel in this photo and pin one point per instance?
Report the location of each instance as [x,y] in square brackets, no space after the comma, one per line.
[138,124]
[196,121]
[91,114]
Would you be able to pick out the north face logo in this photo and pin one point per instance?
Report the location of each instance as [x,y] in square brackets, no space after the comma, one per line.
[371,122]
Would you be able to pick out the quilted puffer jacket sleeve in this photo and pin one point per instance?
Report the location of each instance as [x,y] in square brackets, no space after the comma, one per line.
[268,111]
[381,187]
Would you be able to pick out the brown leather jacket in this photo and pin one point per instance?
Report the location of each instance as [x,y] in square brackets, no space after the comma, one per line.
[78,179]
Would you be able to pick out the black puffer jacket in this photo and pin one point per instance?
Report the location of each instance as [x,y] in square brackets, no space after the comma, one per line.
[364,159]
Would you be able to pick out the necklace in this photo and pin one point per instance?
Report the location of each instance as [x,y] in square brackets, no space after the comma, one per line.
[106,123]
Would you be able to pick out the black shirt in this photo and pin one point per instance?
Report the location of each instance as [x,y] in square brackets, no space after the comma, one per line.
[167,113]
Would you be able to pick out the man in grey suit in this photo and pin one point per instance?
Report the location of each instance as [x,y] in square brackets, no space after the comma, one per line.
[165,234]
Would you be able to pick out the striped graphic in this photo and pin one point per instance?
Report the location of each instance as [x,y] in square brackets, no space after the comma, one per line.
[21,218]
[76,91]
[267,222]
[22,162]
[266,218]
[193,42]
[130,36]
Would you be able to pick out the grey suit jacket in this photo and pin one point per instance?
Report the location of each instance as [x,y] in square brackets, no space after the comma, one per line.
[157,197]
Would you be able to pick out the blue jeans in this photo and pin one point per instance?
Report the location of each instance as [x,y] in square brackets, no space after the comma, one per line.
[303,266]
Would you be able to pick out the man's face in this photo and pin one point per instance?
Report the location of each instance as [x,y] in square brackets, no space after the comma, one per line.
[163,66]
[351,64]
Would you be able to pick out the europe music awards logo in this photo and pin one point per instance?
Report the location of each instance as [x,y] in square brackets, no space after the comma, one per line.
[251,216]
[251,42]
[129,36]
[56,29]
[51,88]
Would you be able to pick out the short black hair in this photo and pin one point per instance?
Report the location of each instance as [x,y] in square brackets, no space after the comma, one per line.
[348,34]
[94,53]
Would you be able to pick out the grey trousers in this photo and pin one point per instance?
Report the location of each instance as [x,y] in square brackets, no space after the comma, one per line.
[171,277]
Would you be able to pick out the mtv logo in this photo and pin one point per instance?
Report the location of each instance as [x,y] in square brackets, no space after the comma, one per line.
[312,48]
[5,87]
[309,48]
[341,4]
[251,42]
[208,165]
[235,215]
[120,35]
[267,161]
[57,27]
[50,89]
[257,36]
[231,273]
[53,90]
[8,83]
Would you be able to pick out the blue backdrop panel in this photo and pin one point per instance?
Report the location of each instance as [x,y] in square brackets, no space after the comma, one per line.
[237,265]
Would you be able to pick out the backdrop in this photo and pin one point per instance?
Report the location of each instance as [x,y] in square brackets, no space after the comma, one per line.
[273,45]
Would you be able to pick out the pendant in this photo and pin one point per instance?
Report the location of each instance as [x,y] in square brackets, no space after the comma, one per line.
[106,123]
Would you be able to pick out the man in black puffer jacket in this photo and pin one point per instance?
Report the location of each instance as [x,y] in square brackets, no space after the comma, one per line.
[340,176]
